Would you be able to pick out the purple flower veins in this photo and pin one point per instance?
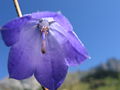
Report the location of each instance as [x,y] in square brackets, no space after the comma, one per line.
[42,44]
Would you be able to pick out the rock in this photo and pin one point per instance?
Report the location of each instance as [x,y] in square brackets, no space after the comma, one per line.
[12,84]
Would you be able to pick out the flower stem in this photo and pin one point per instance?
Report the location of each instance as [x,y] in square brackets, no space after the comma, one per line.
[17,7]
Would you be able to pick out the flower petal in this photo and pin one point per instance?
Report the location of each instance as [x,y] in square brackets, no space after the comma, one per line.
[58,17]
[11,31]
[51,68]
[74,49]
[22,57]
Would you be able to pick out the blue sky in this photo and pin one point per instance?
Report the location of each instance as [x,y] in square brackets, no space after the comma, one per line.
[96,22]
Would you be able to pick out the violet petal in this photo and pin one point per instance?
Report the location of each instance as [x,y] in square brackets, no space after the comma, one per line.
[58,17]
[73,48]
[51,68]
[22,57]
[11,31]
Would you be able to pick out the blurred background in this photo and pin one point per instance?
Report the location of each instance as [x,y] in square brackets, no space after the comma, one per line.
[97,24]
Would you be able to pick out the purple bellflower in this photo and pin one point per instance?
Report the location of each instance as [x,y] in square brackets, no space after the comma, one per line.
[42,44]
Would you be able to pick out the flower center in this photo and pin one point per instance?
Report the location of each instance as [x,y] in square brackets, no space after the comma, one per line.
[44,26]
[44,32]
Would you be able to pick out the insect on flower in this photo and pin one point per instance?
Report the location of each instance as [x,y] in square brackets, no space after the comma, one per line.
[42,44]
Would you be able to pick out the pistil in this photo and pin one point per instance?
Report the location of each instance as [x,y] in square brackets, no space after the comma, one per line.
[44,32]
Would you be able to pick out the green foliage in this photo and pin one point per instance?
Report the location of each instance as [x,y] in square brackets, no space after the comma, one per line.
[108,81]
[40,89]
